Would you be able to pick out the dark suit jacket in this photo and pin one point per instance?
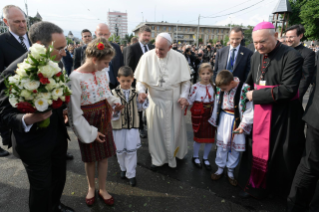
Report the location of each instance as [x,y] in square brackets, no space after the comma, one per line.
[117,61]
[312,110]
[124,54]
[37,141]
[133,55]
[251,47]
[10,50]
[308,69]
[241,66]
[67,62]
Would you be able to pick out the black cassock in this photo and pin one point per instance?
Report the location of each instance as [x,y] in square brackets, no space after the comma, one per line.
[282,67]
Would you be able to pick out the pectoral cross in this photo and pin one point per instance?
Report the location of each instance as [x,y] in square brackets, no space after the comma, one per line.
[161,82]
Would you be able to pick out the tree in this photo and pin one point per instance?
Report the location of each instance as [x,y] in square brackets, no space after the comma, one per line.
[114,38]
[226,38]
[215,40]
[248,34]
[306,12]
[200,41]
[128,37]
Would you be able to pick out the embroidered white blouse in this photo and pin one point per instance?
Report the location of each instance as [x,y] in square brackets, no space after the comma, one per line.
[87,89]
[201,93]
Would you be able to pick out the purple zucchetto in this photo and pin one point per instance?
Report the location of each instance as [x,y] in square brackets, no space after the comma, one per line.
[264,25]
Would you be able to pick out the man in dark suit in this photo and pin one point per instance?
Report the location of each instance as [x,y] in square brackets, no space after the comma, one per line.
[132,56]
[235,57]
[293,36]
[102,30]
[13,44]
[42,151]
[133,41]
[78,52]
[307,175]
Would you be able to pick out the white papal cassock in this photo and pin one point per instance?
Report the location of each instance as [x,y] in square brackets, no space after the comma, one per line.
[167,80]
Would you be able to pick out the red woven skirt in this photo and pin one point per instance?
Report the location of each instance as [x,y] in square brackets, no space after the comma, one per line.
[98,115]
[204,132]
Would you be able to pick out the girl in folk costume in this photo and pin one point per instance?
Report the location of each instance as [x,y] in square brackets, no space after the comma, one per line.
[126,124]
[202,99]
[91,113]
[233,116]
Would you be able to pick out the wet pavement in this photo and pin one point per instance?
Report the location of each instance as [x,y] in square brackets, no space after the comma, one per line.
[185,188]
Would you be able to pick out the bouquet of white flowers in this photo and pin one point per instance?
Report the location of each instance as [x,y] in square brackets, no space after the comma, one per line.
[39,84]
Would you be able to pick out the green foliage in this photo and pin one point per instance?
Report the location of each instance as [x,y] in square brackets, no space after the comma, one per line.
[215,40]
[200,40]
[114,38]
[152,41]
[226,38]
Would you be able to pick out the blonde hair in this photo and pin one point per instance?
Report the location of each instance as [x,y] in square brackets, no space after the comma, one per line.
[223,78]
[208,66]
[93,51]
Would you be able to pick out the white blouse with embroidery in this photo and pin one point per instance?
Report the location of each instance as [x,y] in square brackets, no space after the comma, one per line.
[201,93]
[87,89]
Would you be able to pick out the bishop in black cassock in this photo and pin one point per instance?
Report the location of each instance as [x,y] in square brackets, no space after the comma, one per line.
[275,147]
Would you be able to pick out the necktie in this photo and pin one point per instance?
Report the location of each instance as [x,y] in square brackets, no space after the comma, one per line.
[145,49]
[22,43]
[231,61]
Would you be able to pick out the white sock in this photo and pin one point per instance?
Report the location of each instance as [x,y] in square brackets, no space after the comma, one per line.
[197,160]
[219,171]
[207,162]
[230,174]
[196,147]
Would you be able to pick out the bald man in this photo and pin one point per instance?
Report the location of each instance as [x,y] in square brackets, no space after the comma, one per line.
[102,30]
[13,44]
[166,74]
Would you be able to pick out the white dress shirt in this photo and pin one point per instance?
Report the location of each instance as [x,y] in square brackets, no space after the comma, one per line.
[231,51]
[25,39]
[142,46]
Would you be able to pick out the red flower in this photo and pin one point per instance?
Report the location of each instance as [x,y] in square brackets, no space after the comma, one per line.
[58,74]
[44,81]
[40,75]
[195,87]
[100,46]
[35,91]
[25,107]
[57,104]
[67,99]
[248,89]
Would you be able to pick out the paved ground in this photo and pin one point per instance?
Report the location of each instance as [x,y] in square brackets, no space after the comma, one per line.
[185,188]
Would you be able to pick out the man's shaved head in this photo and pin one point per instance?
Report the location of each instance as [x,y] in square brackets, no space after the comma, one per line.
[102,30]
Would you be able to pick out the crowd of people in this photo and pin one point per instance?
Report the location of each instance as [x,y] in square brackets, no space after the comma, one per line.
[245,100]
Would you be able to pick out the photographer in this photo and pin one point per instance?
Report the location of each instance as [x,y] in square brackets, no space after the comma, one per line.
[208,54]
[192,60]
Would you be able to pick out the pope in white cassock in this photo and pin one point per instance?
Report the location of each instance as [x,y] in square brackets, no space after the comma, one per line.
[166,75]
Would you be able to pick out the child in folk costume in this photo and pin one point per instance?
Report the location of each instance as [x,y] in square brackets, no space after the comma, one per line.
[202,98]
[126,124]
[91,113]
[233,117]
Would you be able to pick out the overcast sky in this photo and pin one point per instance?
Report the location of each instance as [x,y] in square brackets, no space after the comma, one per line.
[75,15]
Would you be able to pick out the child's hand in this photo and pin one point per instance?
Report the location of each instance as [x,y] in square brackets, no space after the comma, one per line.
[118,107]
[142,97]
[239,130]
[100,137]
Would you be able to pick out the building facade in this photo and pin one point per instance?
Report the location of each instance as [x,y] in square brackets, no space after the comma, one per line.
[187,33]
[117,22]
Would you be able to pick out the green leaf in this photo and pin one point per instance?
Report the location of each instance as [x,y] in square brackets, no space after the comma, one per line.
[145,204]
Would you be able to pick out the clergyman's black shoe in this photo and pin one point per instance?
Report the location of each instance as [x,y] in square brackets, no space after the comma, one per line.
[69,156]
[64,208]
[3,152]
[143,133]
[133,181]
[154,168]
[243,194]
[123,173]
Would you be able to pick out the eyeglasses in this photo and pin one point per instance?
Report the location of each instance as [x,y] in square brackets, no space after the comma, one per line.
[62,50]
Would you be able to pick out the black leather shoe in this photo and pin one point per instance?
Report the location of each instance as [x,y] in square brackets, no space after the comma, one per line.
[123,173]
[64,208]
[243,194]
[69,156]
[207,167]
[198,165]
[3,152]
[143,133]
[133,181]
[154,168]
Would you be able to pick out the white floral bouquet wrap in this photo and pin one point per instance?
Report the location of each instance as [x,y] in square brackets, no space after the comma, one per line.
[39,84]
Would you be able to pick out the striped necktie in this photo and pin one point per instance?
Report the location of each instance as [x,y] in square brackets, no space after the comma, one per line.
[22,43]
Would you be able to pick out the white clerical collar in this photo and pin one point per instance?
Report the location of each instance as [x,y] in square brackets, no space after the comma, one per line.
[25,37]
[231,48]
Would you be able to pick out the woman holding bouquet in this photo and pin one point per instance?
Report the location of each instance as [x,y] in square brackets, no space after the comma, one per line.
[90,112]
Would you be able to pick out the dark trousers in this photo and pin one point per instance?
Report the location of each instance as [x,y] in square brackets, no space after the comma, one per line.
[47,175]
[5,135]
[307,175]
[140,115]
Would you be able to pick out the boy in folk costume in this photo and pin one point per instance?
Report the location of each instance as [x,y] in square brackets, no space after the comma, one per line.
[233,116]
[126,124]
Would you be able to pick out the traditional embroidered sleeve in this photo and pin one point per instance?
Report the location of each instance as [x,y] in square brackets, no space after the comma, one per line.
[140,87]
[192,95]
[82,129]
[213,118]
[185,89]
[112,99]
[248,118]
